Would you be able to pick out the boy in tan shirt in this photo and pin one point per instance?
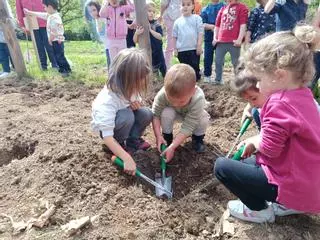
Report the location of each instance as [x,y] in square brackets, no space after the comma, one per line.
[180,99]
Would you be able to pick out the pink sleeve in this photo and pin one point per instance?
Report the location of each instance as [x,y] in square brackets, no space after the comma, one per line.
[218,19]
[104,11]
[278,124]
[244,11]
[128,8]
[20,13]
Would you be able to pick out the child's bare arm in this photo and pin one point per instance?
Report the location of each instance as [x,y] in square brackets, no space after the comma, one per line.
[41,15]
[316,20]
[269,6]
[242,33]
[215,35]
[175,46]
[177,141]
[155,34]
[208,26]
[156,123]
[114,146]
[199,43]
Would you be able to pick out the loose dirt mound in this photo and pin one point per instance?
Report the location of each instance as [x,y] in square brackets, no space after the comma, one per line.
[47,151]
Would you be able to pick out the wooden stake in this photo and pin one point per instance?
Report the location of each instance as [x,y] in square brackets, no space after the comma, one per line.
[30,25]
[11,40]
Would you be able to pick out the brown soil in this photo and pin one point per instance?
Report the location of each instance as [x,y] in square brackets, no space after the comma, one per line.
[47,151]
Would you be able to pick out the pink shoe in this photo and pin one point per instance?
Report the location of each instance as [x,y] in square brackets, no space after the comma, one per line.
[138,144]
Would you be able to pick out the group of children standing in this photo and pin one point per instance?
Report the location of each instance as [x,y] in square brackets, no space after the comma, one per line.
[278,175]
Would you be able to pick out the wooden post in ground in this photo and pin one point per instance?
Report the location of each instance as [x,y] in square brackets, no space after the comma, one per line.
[7,25]
[142,20]
[31,24]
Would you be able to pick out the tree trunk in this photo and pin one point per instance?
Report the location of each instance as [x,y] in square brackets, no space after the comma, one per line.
[7,25]
[142,20]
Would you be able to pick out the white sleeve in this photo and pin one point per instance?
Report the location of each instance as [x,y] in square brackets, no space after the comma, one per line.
[281,2]
[200,27]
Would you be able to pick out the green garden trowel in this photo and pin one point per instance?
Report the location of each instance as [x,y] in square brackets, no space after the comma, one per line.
[165,181]
[120,163]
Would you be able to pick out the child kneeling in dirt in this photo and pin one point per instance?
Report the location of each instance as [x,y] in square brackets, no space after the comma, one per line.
[283,178]
[180,99]
[117,111]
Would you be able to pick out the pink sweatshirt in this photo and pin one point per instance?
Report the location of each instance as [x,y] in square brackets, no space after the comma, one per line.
[289,150]
[116,20]
[32,5]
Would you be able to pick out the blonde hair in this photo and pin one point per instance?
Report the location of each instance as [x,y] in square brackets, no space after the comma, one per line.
[129,73]
[289,50]
[151,5]
[180,79]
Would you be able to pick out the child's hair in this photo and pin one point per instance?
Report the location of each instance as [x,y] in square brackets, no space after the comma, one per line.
[244,81]
[94,4]
[179,80]
[289,50]
[151,5]
[53,3]
[129,73]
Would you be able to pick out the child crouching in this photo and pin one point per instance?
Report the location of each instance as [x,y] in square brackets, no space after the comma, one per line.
[180,99]
[117,111]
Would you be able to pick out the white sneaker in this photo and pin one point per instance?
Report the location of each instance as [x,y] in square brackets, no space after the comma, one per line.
[241,211]
[4,75]
[218,82]
[207,79]
[280,210]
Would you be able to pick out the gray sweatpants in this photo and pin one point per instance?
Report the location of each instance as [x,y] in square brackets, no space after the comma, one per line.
[169,115]
[221,51]
[131,124]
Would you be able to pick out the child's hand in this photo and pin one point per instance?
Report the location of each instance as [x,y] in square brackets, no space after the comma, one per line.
[26,11]
[168,153]
[139,30]
[129,166]
[250,146]
[160,141]
[246,113]
[237,43]
[214,42]
[199,50]
[135,105]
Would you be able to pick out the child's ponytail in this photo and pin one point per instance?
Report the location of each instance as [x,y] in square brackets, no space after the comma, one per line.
[309,35]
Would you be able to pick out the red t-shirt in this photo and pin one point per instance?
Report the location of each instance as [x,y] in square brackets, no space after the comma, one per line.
[229,20]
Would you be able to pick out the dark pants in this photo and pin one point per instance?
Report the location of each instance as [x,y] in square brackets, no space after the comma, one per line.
[191,58]
[208,58]
[43,45]
[158,63]
[246,180]
[108,58]
[4,57]
[63,64]
[317,66]
[256,117]
[130,42]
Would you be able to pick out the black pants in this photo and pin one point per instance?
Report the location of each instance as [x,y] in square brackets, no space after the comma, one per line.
[191,58]
[246,180]
[316,77]
[63,64]
[43,46]
[130,42]
[158,63]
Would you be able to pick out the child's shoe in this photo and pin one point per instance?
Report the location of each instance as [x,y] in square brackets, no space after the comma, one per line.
[168,137]
[137,144]
[207,79]
[280,210]
[197,143]
[241,211]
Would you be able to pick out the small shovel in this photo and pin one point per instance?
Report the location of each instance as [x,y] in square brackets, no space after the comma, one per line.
[120,163]
[244,128]
[166,182]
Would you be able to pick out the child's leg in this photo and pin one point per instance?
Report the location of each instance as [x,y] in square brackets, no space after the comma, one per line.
[208,58]
[221,50]
[48,47]
[123,124]
[202,125]
[168,116]
[169,50]
[256,117]
[58,49]
[4,57]
[247,181]
[108,58]
[191,58]
[235,54]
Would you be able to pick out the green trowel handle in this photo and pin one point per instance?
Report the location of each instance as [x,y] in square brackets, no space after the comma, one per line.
[120,164]
[163,159]
[237,155]
[245,125]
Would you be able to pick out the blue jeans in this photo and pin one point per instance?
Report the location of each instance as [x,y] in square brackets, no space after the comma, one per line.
[63,64]
[4,57]
[256,117]
[208,58]
[246,180]
[108,58]
[43,46]
[221,51]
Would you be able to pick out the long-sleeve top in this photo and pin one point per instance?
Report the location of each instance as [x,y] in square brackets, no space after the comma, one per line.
[260,23]
[104,110]
[173,9]
[229,20]
[209,16]
[289,149]
[32,5]
[289,13]
[191,113]
[186,30]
